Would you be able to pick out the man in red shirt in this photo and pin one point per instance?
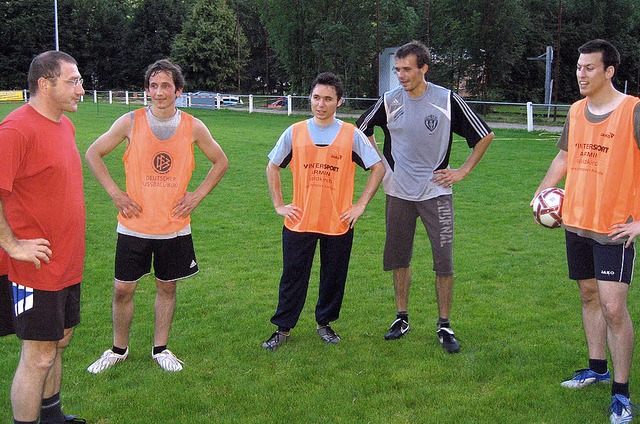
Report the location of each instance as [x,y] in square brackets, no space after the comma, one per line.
[42,230]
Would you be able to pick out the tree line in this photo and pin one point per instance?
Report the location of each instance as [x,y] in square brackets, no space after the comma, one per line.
[279,46]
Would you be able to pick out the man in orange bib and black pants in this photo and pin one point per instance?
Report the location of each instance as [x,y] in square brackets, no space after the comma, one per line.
[323,152]
[600,156]
[154,219]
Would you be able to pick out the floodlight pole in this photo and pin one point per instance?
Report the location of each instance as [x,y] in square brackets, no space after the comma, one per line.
[548,58]
[547,75]
[55,16]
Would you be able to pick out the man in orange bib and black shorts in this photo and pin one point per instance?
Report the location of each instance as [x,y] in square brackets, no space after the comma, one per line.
[600,157]
[322,153]
[154,219]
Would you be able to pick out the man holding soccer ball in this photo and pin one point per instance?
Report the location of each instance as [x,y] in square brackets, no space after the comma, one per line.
[600,157]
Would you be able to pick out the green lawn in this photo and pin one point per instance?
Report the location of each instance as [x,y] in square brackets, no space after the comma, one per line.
[515,312]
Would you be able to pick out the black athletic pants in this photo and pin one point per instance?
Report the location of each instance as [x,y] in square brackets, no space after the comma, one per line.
[298,250]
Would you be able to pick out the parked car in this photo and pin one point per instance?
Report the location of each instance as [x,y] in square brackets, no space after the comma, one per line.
[278,103]
[230,100]
[209,99]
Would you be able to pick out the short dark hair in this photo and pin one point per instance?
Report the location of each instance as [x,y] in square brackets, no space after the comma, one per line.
[328,78]
[47,65]
[165,65]
[417,48]
[610,55]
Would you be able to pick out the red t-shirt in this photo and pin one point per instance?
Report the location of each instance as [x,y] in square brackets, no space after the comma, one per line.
[4,263]
[42,192]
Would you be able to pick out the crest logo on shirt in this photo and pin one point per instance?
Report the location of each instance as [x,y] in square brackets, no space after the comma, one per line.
[431,122]
[162,163]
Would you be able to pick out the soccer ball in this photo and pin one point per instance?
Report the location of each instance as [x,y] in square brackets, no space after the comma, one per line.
[547,207]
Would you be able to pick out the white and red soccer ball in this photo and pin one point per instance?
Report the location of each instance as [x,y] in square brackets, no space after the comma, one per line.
[547,207]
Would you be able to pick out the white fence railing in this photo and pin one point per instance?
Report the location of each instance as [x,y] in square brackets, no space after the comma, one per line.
[523,113]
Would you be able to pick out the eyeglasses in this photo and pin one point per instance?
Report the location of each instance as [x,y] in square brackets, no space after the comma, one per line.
[75,82]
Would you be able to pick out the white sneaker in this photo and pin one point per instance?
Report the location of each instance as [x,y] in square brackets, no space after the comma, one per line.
[168,361]
[107,360]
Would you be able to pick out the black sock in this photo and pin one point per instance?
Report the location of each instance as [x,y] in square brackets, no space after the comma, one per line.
[285,330]
[118,350]
[444,322]
[403,315]
[25,422]
[158,349]
[598,365]
[51,410]
[620,389]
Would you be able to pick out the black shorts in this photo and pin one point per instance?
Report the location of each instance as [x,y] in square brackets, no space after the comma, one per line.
[44,315]
[173,259]
[7,318]
[605,262]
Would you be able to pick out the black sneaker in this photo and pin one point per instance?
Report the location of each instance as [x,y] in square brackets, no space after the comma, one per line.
[74,419]
[448,339]
[398,329]
[275,340]
[327,335]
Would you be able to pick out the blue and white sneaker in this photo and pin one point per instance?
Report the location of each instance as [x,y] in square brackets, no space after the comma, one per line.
[584,377]
[620,409]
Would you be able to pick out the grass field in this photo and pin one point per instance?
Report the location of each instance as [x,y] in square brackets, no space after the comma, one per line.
[515,312]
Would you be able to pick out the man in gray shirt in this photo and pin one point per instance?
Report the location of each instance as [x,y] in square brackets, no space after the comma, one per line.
[419,119]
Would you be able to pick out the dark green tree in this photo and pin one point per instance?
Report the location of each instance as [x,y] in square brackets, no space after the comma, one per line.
[291,25]
[528,75]
[211,49]
[478,44]
[151,32]
[337,36]
[27,28]
[583,20]
[91,31]
[262,73]
[352,61]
